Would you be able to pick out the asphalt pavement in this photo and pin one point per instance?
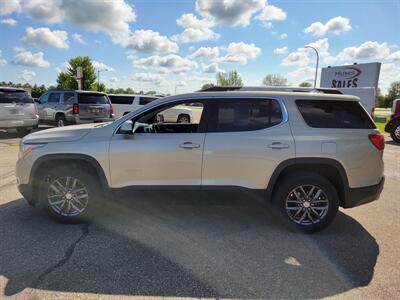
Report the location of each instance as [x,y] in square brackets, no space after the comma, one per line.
[196,245]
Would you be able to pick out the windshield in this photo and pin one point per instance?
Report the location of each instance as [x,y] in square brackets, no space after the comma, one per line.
[15,97]
[92,99]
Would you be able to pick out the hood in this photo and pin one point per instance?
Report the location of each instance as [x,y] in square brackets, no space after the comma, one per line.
[59,134]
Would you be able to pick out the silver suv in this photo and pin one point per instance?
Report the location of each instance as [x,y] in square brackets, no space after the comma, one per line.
[17,110]
[307,151]
[74,107]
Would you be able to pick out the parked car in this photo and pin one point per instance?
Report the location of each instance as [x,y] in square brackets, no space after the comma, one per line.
[393,126]
[124,104]
[306,152]
[17,110]
[74,107]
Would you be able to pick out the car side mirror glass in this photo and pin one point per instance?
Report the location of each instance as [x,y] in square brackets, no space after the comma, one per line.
[138,126]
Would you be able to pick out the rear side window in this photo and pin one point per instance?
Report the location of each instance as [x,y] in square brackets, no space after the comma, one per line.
[69,98]
[15,97]
[145,100]
[88,98]
[121,99]
[334,114]
[244,115]
[54,98]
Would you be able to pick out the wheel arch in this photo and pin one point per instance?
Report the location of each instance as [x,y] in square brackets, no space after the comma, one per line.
[327,167]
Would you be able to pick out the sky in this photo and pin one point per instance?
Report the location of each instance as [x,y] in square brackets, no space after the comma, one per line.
[178,45]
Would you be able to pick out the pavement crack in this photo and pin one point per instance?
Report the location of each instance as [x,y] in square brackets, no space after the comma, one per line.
[67,256]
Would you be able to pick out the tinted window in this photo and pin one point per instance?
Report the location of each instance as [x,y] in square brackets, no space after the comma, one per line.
[15,96]
[244,115]
[87,98]
[54,98]
[334,114]
[44,98]
[145,100]
[121,99]
[69,98]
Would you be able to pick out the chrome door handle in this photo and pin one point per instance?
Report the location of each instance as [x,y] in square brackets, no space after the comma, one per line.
[189,145]
[277,145]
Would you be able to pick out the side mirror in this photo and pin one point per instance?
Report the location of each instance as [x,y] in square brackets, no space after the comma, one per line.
[37,100]
[127,127]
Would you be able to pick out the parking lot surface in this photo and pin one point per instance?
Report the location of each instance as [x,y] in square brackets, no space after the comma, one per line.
[196,245]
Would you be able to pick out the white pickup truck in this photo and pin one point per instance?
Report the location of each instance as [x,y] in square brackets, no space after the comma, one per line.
[125,103]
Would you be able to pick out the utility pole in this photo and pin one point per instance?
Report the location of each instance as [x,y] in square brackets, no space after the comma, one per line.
[316,68]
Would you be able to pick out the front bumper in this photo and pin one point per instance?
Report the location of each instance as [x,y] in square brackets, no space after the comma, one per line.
[26,191]
[359,196]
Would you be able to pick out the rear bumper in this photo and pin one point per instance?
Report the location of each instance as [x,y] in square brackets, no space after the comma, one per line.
[359,196]
[79,120]
[9,124]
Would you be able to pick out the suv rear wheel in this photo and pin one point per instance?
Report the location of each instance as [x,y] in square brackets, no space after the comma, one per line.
[60,121]
[69,194]
[395,133]
[306,201]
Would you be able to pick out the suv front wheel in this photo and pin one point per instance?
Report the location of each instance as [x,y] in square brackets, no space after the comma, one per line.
[69,194]
[307,202]
[395,132]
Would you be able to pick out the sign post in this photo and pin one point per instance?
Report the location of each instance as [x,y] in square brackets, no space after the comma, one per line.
[351,76]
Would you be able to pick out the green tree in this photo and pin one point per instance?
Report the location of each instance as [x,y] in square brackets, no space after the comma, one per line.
[38,91]
[151,93]
[229,79]
[274,80]
[305,84]
[207,86]
[101,88]
[67,80]
[393,93]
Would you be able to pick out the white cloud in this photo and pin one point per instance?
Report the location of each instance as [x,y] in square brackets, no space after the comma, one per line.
[2,60]
[8,21]
[101,66]
[191,35]
[147,77]
[271,13]
[191,21]
[232,12]
[335,25]
[169,63]
[322,45]
[283,36]
[63,67]
[239,53]
[113,79]
[302,72]
[181,83]
[389,73]
[27,58]
[199,78]
[9,6]
[104,16]
[78,38]
[297,58]
[44,37]
[209,52]
[27,75]
[282,50]
[212,68]
[369,49]
[394,56]
[147,41]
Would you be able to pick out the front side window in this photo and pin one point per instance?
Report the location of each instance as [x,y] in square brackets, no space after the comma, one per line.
[228,115]
[334,114]
[54,97]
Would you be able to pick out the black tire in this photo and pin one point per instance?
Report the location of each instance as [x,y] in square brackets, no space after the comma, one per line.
[85,180]
[183,118]
[22,131]
[284,196]
[60,121]
[395,132]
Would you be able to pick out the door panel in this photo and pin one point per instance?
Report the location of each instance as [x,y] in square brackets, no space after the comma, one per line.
[156,159]
[245,158]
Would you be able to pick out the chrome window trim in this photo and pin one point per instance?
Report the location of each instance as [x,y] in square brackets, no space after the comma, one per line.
[285,115]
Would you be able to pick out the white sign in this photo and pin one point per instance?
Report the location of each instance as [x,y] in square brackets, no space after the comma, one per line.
[351,76]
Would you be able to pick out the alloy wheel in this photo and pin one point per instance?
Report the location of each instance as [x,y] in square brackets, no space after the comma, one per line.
[307,205]
[67,196]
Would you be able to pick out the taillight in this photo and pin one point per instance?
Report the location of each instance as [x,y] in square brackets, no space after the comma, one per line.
[35,111]
[378,140]
[373,113]
[111,111]
[75,108]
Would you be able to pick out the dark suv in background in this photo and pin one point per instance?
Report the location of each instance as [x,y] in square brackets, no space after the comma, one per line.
[74,107]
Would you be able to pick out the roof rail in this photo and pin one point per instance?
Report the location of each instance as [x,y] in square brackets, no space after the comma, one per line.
[271,88]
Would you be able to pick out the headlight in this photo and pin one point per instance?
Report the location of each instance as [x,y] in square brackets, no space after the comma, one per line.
[25,149]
